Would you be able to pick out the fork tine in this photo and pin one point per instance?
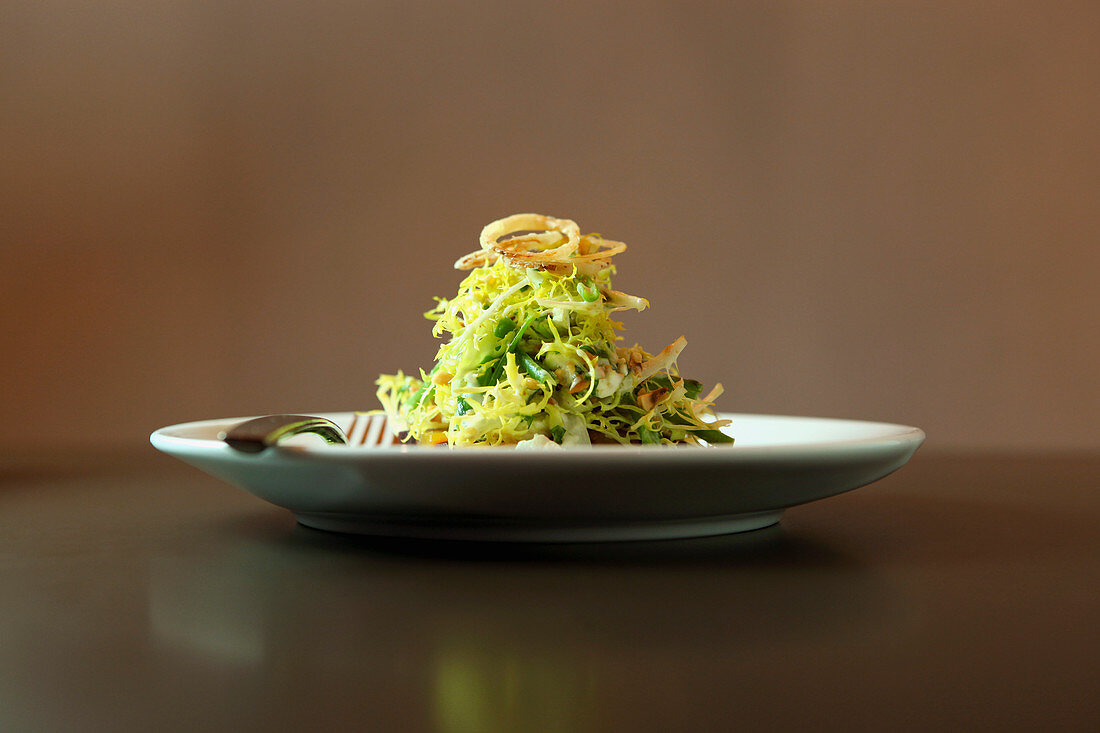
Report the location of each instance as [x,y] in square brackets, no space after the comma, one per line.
[386,433]
[375,430]
[351,428]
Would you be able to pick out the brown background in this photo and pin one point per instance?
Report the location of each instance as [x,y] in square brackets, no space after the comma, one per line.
[884,210]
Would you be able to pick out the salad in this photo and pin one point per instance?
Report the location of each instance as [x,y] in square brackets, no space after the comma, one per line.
[531,358]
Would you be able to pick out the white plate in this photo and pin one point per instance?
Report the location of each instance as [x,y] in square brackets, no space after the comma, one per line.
[585,494]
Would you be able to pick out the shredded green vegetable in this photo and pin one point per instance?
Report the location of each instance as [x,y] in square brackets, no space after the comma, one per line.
[530,357]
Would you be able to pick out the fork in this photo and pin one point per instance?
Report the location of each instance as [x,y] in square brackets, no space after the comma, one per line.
[258,434]
[376,430]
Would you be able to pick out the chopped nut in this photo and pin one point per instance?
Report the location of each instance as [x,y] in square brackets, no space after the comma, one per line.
[647,400]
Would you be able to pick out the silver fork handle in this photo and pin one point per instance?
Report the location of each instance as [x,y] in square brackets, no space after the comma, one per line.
[258,434]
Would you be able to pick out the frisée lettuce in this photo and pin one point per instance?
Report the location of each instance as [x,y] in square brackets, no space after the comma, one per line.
[531,356]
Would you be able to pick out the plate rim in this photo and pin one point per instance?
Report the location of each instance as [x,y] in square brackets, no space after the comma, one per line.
[893,435]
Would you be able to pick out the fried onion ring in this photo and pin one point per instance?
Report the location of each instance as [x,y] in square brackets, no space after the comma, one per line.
[475,259]
[494,231]
[536,244]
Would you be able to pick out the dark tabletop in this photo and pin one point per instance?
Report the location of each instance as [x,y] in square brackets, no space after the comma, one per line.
[961,593]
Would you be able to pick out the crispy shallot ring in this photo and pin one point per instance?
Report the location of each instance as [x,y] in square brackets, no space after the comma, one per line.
[589,253]
[475,259]
[514,247]
[599,257]
[600,248]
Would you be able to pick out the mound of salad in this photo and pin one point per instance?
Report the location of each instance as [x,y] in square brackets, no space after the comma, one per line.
[531,359]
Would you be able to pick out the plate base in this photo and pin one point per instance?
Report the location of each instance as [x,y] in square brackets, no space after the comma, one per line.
[503,531]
